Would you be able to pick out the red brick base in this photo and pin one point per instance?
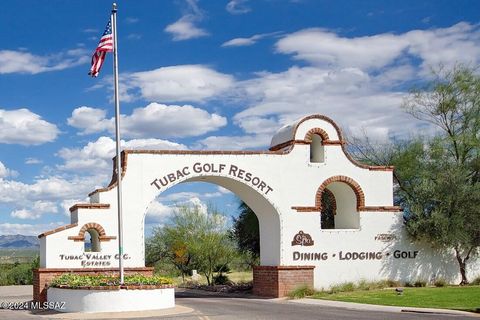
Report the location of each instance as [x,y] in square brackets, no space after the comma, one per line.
[278,281]
[43,276]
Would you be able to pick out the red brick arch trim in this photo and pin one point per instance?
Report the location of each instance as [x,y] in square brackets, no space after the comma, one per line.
[349,181]
[318,131]
[91,225]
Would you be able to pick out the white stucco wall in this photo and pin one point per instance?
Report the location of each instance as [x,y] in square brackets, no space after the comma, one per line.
[287,180]
[78,300]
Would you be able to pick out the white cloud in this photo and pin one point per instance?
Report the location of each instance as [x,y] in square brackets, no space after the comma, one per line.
[131,20]
[178,196]
[237,7]
[43,195]
[234,142]
[181,83]
[171,121]
[185,28]
[90,120]
[66,204]
[36,211]
[54,188]
[158,212]
[21,126]
[194,83]
[349,96]
[97,156]
[196,202]
[25,62]
[359,82]
[27,229]
[32,161]
[458,43]
[181,197]
[324,48]
[155,120]
[240,42]
[5,172]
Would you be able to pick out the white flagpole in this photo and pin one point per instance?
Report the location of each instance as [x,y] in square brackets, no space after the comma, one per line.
[117,133]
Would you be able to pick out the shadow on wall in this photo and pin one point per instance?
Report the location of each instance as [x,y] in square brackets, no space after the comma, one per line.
[409,260]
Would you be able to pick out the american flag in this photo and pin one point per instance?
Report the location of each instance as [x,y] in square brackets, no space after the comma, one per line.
[105,45]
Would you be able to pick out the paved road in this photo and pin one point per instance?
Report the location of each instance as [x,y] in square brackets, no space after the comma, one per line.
[206,307]
[244,308]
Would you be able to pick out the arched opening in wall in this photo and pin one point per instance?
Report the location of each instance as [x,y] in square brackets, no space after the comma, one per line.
[92,241]
[345,200]
[208,188]
[317,150]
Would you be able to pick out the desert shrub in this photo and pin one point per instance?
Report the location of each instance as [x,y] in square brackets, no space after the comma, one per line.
[363,285]
[221,279]
[21,274]
[392,283]
[440,282]
[16,274]
[342,287]
[420,283]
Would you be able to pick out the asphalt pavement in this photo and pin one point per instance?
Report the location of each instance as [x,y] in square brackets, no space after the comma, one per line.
[192,304]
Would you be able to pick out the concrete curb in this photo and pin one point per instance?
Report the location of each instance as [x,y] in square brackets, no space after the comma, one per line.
[374,307]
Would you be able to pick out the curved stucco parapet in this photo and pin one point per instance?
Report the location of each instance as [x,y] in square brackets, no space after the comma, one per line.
[297,130]
[301,131]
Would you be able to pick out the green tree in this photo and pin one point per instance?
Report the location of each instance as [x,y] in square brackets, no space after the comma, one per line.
[167,246]
[246,232]
[438,178]
[193,239]
[445,207]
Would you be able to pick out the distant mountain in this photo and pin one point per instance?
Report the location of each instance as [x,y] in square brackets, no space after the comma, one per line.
[19,241]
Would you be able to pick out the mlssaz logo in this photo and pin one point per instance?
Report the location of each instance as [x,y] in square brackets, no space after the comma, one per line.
[302,239]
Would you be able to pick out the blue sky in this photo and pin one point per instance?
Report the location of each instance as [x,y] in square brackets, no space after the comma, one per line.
[201,75]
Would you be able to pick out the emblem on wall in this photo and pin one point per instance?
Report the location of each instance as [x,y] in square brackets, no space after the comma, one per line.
[302,239]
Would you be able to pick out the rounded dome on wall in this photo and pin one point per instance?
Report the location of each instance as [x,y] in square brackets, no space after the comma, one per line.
[300,130]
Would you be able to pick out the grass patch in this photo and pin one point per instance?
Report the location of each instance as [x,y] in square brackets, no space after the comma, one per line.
[465,298]
[301,292]
[362,285]
[241,276]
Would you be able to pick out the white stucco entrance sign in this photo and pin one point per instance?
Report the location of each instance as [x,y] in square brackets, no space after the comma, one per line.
[285,186]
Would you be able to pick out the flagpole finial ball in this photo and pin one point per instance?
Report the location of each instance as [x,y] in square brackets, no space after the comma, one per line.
[114,7]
